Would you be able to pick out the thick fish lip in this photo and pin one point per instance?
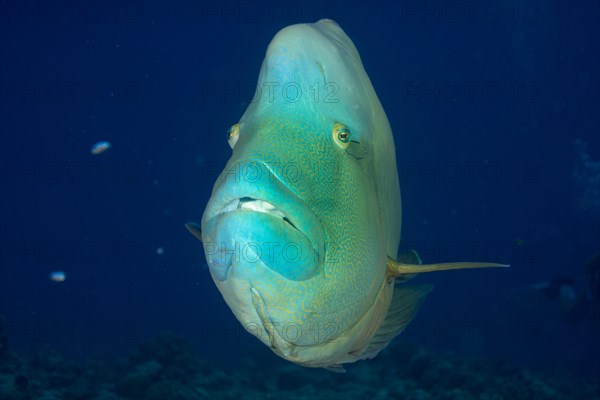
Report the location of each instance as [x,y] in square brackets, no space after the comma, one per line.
[272,196]
[251,204]
[257,205]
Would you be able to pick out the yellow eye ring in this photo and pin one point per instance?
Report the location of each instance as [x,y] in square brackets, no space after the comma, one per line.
[341,135]
[233,135]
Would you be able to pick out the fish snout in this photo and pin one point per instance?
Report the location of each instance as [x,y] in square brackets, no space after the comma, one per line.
[251,234]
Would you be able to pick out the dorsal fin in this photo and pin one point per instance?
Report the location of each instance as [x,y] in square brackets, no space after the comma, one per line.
[406,301]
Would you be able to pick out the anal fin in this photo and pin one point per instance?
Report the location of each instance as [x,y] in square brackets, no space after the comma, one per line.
[336,368]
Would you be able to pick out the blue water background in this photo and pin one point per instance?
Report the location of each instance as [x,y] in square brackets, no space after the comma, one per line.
[485,103]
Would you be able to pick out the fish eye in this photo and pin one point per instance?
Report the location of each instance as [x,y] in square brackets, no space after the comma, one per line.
[344,136]
[233,134]
[341,135]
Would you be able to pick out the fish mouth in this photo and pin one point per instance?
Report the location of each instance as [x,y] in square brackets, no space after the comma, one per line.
[265,218]
[257,205]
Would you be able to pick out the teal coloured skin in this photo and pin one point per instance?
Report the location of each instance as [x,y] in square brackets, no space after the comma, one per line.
[306,213]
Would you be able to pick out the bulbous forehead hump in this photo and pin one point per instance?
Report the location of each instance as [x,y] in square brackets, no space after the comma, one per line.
[319,65]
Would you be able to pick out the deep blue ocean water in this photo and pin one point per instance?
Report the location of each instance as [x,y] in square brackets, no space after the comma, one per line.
[494,109]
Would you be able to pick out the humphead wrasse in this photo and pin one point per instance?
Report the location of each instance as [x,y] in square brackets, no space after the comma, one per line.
[301,233]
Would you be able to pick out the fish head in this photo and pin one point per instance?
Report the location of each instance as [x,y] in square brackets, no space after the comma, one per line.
[293,229]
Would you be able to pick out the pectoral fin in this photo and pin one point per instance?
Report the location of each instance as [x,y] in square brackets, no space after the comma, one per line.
[194,229]
[395,268]
[407,257]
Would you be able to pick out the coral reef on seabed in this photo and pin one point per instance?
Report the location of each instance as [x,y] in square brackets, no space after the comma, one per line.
[166,368]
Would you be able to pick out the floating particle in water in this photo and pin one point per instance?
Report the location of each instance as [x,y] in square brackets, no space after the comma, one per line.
[58,276]
[100,147]
[160,250]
